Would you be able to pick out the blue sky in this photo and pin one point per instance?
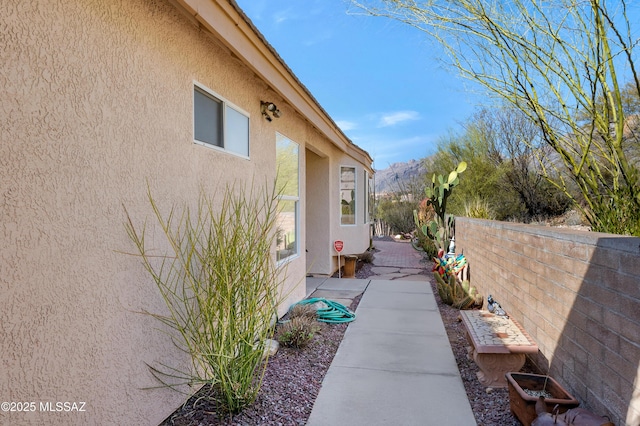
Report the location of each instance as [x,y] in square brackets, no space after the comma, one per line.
[379,80]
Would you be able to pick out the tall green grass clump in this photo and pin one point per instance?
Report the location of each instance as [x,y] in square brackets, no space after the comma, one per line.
[479,209]
[220,284]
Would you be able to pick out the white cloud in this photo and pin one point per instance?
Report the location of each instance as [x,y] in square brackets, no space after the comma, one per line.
[346,125]
[394,118]
[389,150]
[282,16]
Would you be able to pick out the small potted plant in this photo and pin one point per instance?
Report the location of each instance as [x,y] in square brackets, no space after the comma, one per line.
[525,389]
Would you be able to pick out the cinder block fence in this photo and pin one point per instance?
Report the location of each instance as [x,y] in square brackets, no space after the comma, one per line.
[577,294]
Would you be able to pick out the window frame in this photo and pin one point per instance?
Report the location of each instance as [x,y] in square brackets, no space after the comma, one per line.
[368,197]
[224,122]
[290,198]
[354,213]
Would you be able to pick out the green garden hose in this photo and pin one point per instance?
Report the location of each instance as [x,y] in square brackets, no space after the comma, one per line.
[334,313]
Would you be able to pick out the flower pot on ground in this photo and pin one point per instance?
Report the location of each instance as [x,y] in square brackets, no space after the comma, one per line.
[350,266]
[523,405]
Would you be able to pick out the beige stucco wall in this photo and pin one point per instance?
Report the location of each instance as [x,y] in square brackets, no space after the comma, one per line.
[355,237]
[323,208]
[318,209]
[96,103]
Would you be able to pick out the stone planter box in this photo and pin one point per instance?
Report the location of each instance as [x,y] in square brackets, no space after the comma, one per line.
[523,406]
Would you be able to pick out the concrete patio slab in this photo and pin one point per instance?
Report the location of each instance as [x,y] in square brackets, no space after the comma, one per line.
[398,321]
[395,351]
[411,271]
[423,278]
[394,365]
[332,294]
[411,301]
[364,397]
[313,283]
[349,284]
[390,276]
[381,270]
[404,286]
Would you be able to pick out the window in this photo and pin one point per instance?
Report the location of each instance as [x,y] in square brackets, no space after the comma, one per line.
[288,183]
[217,123]
[348,195]
[368,197]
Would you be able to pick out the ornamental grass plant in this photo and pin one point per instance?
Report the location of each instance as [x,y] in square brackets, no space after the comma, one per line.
[221,287]
[298,332]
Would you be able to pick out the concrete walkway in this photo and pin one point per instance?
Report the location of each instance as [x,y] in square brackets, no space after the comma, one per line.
[395,365]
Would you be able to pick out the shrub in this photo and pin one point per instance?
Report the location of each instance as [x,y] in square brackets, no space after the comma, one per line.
[220,284]
[306,311]
[366,257]
[479,209]
[298,332]
[397,214]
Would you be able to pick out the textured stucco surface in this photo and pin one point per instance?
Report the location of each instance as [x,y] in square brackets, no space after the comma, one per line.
[96,105]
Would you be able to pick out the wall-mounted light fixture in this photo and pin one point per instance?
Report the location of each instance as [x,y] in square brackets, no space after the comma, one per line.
[269,108]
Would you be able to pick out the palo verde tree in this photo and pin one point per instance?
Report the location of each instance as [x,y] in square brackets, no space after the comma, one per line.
[563,64]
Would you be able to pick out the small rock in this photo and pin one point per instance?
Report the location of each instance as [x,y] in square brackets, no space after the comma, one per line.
[271,347]
[489,390]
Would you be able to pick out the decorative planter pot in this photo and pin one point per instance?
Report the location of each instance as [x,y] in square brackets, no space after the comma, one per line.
[523,405]
[350,266]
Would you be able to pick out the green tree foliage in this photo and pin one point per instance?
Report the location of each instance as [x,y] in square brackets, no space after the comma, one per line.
[561,63]
[502,148]
[397,213]
[516,148]
[396,209]
[483,180]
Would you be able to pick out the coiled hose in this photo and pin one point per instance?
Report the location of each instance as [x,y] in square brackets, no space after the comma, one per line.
[334,313]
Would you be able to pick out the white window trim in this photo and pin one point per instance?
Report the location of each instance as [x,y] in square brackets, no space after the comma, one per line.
[225,103]
[366,200]
[297,213]
[355,184]
[297,210]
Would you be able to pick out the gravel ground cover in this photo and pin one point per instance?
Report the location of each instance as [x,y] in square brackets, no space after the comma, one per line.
[490,406]
[289,388]
[293,379]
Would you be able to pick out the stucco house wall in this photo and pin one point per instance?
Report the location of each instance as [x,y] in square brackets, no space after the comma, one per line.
[97,106]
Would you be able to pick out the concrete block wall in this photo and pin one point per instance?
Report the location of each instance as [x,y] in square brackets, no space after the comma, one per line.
[578,294]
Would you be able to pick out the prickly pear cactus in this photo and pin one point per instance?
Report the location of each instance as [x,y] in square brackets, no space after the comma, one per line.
[440,230]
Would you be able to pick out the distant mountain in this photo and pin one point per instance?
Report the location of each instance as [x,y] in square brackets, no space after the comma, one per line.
[399,176]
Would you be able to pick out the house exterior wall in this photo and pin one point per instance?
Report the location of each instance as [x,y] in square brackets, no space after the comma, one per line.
[323,203]
[97,106]
[577,294]
[318,213]
[355,237]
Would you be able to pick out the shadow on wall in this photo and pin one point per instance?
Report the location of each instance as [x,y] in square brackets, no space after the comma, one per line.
[598,353]
[578,294]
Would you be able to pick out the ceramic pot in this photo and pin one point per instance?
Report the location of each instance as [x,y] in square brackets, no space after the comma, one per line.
[523,405]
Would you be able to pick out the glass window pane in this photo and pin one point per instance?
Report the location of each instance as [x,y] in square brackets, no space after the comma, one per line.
[372,198]
[288,167]
[207,122]
[366,197]
[236,132]
[287,241]
[348,195]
